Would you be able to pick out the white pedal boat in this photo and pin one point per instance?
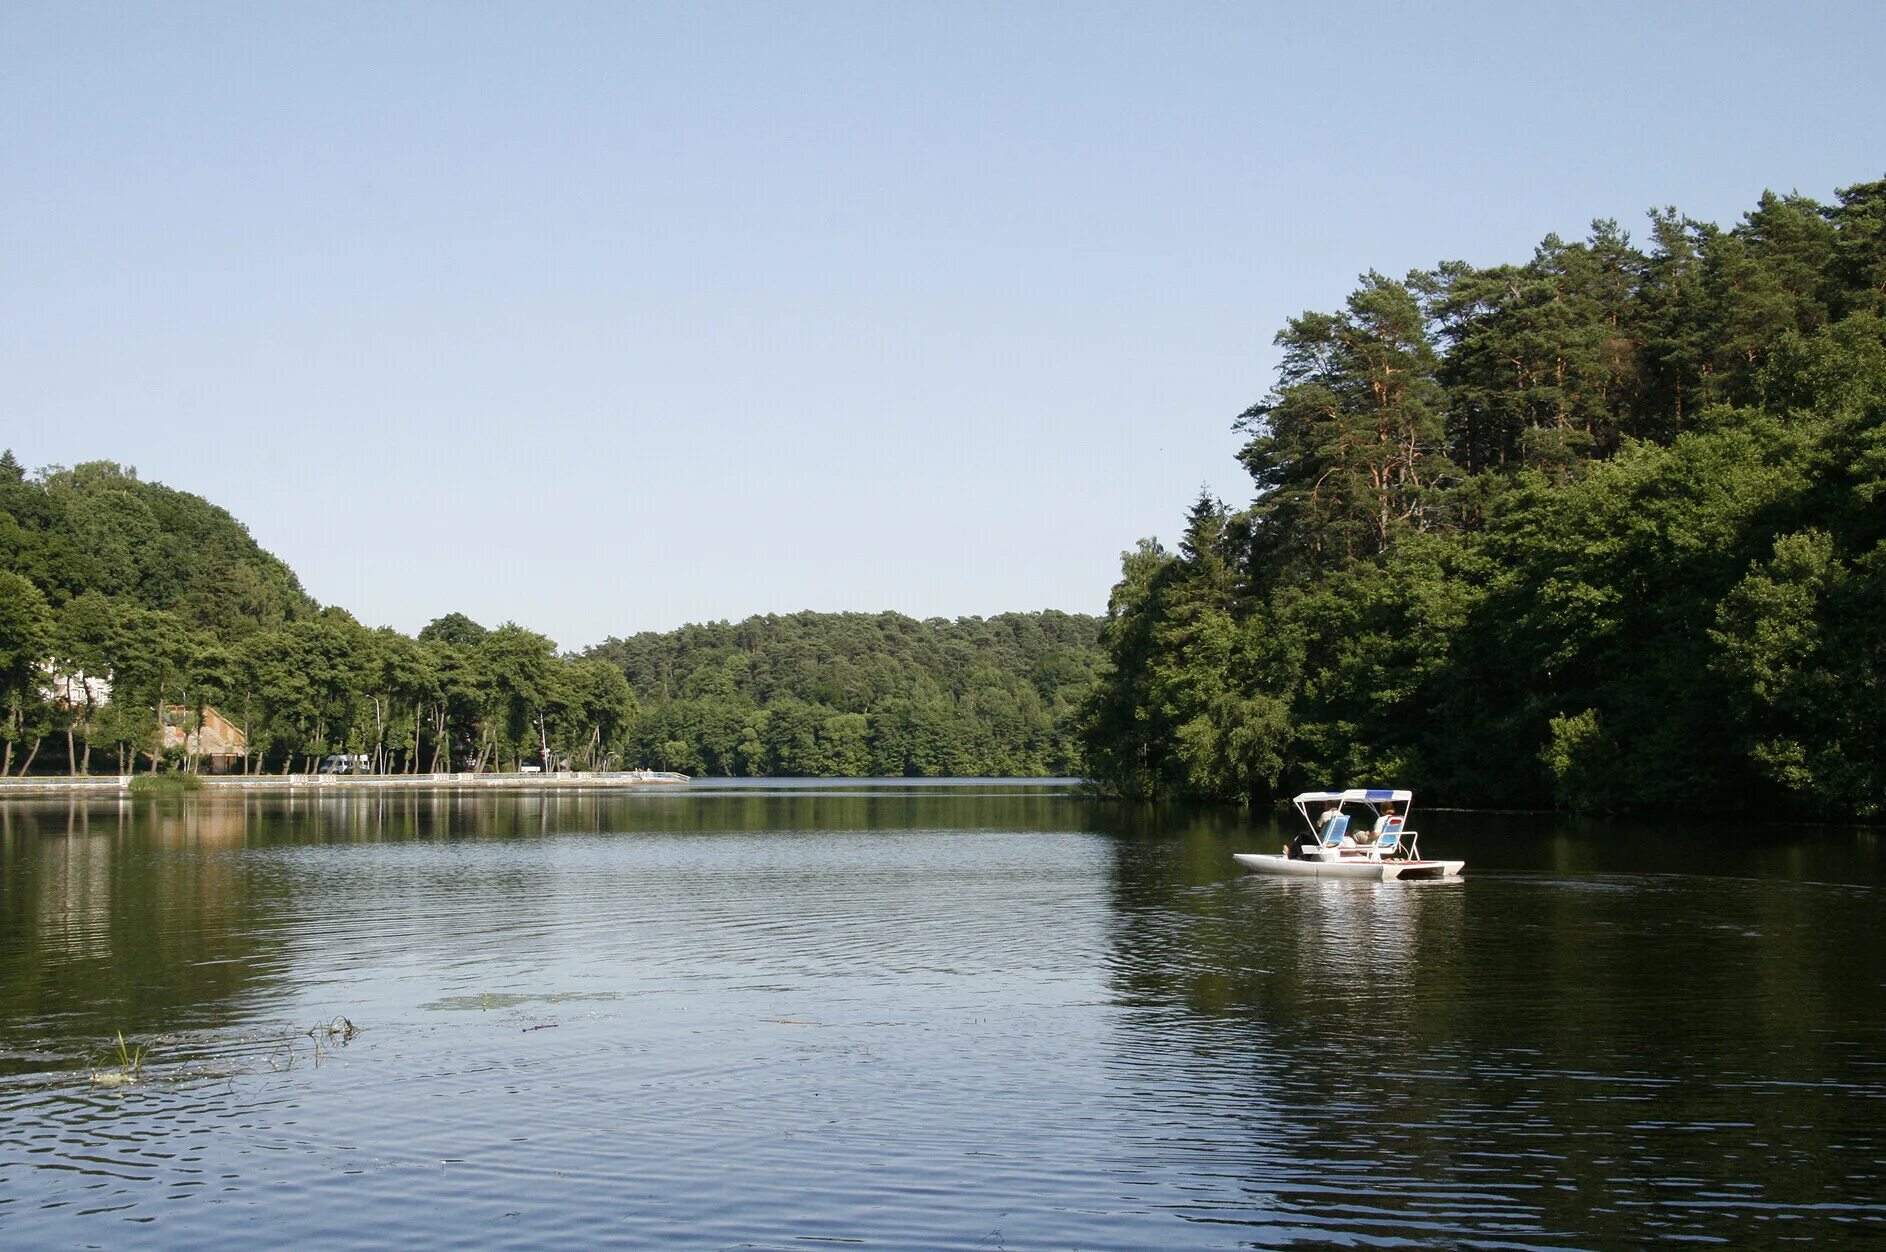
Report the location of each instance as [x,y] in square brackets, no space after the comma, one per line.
[1386,850]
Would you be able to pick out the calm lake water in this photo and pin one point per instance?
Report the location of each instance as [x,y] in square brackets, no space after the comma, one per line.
[970,1016]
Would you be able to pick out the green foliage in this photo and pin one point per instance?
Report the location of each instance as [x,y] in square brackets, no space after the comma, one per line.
[454,628]
[1347,450]
[26,635]
[855,695]
[173,784]
[25,628]
[97,527]
[1641,567]
[1579,756]
[103,576]
[1541,361]
[1798,651]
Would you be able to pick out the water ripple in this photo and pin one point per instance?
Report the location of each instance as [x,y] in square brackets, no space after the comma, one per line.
[917,1033]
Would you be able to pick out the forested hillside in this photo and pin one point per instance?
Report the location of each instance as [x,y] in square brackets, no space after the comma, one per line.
[1603,527]
[99,529]
[168,598]
[850,694]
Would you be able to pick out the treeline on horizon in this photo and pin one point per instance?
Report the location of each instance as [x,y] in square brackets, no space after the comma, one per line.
[167,597]
[864,695]
[1603,528]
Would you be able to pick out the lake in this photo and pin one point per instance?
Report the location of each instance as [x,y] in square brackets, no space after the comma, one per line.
[973,1015]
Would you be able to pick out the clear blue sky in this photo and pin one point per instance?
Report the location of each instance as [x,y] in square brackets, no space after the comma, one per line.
[606,318]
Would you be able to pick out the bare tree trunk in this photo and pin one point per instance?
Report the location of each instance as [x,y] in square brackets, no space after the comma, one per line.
[379,735]
[28,763]
[85,738]
[71,761]
[190,751]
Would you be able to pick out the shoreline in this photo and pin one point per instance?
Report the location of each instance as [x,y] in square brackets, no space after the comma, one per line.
[120,784]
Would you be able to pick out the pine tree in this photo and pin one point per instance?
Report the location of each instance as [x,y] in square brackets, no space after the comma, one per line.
[1348,450]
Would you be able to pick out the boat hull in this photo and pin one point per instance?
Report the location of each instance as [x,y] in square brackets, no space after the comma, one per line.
[1368,871]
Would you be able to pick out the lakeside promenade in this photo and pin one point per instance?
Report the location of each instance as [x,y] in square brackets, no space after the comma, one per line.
[98,784]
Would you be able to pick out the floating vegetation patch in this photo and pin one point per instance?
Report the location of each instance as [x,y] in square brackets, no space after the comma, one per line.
[488,1000]
[339,1028]
[338,1031]
[327,1037]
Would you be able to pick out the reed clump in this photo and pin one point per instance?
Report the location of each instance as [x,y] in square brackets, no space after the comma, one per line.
[130,1066]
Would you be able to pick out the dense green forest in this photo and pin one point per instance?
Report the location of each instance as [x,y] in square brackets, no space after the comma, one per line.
[851,694]
[169,599]
[1602,528]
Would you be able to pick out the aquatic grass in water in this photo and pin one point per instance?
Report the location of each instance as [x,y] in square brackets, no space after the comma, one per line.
[130,1066]
[125,1067]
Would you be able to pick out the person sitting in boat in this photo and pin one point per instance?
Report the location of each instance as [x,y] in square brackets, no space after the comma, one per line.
[1387,823]
[1305,840]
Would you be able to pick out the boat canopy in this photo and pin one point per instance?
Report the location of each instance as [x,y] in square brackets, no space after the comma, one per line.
[1358,795]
